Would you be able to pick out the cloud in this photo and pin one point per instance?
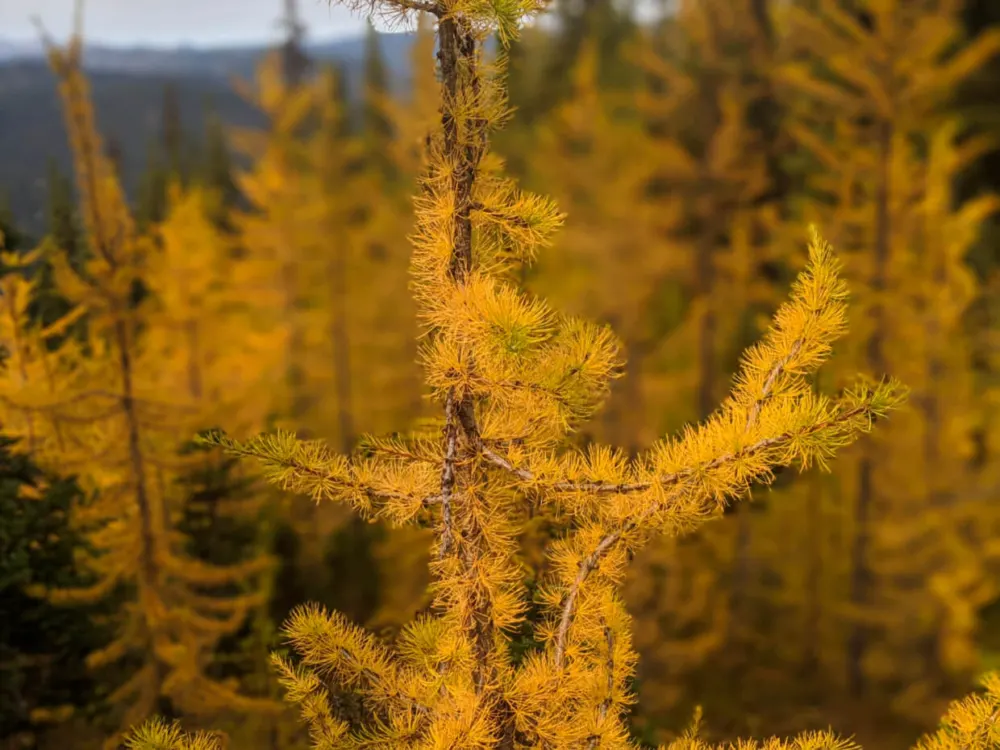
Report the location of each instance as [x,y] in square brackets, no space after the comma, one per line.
[172,22]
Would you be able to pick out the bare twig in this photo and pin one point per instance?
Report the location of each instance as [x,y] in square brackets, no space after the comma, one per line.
[448,473]
[585,569]
[772,378]
[498,460]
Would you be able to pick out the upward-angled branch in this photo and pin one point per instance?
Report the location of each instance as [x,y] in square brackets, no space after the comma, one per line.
[612,538]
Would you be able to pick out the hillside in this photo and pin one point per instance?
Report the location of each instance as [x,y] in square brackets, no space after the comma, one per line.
[128,89]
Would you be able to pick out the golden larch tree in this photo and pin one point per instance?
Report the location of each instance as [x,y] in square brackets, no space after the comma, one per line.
[102,411]
[513,378]
[866,90]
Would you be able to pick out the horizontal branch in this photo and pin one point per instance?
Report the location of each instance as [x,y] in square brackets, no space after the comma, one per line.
[383,7]
[294,473]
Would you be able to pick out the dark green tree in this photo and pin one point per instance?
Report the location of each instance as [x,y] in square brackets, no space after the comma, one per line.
[295,62]
[14,238]
[611,23]
[172,130]
[152,199]
[217,170]
[223,528]
[62,237]
[63,225]
[42,646]
[377,130]
[978,102]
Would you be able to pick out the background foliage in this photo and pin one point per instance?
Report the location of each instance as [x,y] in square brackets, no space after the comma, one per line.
[260,277]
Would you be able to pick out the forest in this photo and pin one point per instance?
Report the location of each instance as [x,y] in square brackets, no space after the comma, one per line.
[619,382]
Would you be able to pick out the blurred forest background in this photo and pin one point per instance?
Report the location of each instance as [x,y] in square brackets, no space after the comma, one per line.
[268,199]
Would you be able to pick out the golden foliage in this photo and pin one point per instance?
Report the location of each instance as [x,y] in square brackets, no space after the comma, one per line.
[513,378]
[111,409]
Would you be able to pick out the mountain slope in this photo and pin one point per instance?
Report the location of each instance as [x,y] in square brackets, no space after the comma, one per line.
[127,86]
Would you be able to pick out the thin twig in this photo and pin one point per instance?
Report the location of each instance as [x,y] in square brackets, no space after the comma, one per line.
[772,378]
[448,473]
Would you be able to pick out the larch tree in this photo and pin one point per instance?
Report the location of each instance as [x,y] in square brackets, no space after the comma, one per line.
[272,232]
[513,378]
[98,407]
[711,181]
[866,89]
[402,553]
[323,252]
[591,156]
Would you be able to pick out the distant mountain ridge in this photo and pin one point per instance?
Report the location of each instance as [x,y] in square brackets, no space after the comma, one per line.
[199,60]
[127,87]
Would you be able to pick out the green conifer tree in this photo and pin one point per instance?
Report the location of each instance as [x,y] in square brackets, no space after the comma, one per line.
[376,125]
[14,239]
[217,171]
[42,647]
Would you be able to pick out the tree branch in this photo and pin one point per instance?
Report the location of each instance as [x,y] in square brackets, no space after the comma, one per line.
[772,377]
[612,538]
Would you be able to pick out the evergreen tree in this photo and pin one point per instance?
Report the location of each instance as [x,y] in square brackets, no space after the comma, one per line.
[152,199]
[63,225]
[609,24]
[13,238]
[172,131]
[218,171]
[42,647]
[295,64]
[376,125]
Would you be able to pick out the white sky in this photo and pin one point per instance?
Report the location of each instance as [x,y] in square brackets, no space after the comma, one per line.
[172,22]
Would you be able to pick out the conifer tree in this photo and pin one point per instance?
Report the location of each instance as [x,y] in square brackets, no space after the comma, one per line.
[62,222]
[295,63]
[867,89]
[152,199]
[709,181]
[101,408]
[14,239]
[172,129]
[218,172]
[609,25]
[42,647]
[513,378]
[376,126]
[62,236]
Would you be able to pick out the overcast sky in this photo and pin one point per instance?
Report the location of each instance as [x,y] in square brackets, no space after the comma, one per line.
[171,22]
